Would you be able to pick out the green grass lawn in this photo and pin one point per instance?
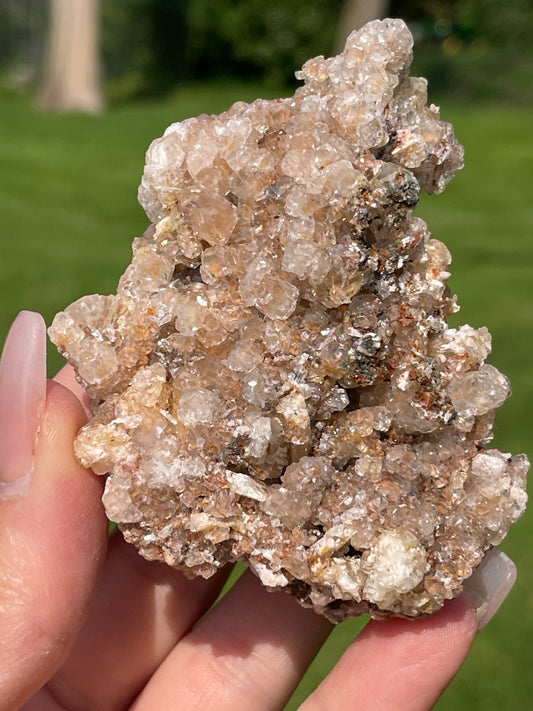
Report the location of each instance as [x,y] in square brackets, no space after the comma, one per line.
[68,213]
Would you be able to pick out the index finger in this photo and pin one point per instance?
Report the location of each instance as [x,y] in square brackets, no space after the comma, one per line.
[67,377]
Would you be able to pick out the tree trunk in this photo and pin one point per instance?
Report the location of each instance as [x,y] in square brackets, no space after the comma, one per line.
[355,13]
[72,80]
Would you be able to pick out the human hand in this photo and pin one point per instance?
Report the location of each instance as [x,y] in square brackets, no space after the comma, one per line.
[88,625]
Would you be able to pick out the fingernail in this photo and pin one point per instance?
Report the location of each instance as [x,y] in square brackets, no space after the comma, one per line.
[490,584]
[22,398]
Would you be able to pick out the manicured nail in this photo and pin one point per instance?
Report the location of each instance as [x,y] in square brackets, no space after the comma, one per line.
[22,398]
[490,584]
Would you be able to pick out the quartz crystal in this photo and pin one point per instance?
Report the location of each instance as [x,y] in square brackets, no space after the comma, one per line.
[275,381]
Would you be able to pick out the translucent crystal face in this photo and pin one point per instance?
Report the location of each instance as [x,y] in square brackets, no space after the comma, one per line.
[274,380]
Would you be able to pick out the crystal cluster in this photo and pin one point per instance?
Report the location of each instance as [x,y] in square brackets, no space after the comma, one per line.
[275,381]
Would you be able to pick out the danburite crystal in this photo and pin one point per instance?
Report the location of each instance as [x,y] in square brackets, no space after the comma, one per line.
[275,381]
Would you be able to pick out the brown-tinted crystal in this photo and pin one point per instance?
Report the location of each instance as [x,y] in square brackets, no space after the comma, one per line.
[274,380]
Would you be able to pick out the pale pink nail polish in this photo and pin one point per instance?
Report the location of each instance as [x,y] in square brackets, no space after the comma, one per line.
[22,398]
[490,584]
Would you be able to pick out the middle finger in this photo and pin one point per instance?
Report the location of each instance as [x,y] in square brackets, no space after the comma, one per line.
[249,651]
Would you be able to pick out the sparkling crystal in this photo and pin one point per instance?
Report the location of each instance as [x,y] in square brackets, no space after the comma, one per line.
[274,380]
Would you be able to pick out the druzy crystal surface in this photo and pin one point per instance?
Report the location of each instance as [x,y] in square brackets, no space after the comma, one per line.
[275,381]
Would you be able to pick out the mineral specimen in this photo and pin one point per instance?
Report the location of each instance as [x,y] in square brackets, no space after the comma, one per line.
[275,381]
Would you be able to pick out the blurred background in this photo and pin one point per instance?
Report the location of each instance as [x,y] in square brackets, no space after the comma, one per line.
[86,84]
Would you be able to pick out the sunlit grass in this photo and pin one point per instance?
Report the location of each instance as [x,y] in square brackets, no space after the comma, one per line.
[68,214]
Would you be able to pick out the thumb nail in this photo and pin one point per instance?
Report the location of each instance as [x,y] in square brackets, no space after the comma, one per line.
[22,398]
[489,585]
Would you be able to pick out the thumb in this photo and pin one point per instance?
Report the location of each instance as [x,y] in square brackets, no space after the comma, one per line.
[53,530]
